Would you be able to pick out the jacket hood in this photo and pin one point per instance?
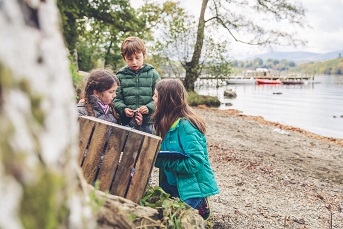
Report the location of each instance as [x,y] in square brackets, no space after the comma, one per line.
[172,128]
[126,70]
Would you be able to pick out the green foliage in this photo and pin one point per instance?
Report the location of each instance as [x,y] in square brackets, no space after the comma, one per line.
[174,44]
[77,79]
[272,64]
[96,202]
[96,28]
[88,55]
[334,66]
[70,12]
[215,61]
[171,208]
[195,100]
[235,18]
[159,63]
[218,69]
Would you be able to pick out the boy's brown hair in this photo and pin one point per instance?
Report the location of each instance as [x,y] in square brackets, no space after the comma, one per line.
[132,45]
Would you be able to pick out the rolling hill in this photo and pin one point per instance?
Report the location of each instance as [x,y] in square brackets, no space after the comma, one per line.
[300,57]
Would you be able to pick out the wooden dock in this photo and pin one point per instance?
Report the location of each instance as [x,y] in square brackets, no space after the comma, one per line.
[273,75]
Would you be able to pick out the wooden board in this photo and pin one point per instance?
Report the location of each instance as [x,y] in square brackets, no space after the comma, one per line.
[130,152]
[147,156]
[126,156]
[95,150]
[86,128]
[111,158]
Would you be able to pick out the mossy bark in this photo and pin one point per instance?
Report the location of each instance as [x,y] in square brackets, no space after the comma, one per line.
[41,185]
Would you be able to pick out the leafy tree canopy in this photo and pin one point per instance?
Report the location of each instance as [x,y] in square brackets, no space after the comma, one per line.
[96,28]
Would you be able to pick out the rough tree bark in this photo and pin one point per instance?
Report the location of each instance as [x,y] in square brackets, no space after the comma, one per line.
[192,68]
[38,177]
[41,186]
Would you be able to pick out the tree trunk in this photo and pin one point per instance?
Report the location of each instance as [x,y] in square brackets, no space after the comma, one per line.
[39,184]
[108,54]
[75,60]
[192,68]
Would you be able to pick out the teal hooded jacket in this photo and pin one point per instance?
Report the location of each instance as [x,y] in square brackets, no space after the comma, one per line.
[194,176]
[136,90]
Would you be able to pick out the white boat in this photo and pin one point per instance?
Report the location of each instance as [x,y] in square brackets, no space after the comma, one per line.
[241,80]
[311,82]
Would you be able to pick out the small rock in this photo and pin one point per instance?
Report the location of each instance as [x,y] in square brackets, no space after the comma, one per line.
[281,131]
[229,93]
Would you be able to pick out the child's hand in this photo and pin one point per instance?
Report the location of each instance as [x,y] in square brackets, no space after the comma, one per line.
[139,118]
[143,110]
[128,112]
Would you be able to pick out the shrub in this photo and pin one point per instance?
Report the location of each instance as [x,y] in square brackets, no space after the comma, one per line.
[194,100]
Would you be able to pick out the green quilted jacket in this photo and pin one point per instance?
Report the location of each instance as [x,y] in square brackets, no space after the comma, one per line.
[136,90]
[194,176]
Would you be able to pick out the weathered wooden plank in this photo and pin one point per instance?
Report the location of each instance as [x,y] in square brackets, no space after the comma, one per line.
[143,168]
[111,158]
[139,150]
[95,149]
[86,129]
[130,152]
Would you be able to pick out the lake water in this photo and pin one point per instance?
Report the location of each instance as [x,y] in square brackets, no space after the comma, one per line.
[315,107]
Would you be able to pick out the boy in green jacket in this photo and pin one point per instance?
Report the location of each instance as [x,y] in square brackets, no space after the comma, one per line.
[137,85]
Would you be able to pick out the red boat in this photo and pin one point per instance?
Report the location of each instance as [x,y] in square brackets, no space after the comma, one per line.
[265,81]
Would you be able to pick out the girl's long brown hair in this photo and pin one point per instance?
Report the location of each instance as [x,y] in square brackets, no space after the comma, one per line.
[171,105]
[99,80]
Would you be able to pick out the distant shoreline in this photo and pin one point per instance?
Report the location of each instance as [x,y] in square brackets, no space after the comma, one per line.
[316,108]
[260,119]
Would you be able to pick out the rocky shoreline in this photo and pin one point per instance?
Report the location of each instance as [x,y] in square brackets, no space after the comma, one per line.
[272,176]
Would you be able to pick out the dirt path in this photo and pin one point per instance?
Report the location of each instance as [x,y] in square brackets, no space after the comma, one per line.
[273,176]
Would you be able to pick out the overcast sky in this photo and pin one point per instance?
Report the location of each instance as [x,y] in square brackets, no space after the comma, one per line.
[324,16]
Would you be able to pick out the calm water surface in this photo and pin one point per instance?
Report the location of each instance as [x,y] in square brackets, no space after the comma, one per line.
[315,107]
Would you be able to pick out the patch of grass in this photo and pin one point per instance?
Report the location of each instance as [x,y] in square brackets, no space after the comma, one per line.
[96,201]
[195,100]
[78,79]
[172,209]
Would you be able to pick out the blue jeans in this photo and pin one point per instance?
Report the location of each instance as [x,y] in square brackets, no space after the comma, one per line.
[147,128]
[174,192]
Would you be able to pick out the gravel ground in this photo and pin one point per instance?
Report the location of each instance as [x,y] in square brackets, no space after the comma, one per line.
[272,176]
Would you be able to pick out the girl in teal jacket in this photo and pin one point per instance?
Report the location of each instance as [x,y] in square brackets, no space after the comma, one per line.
[189,177]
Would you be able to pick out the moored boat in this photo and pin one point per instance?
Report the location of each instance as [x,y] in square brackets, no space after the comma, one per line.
[242,80]
[267,81]
[291,82]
